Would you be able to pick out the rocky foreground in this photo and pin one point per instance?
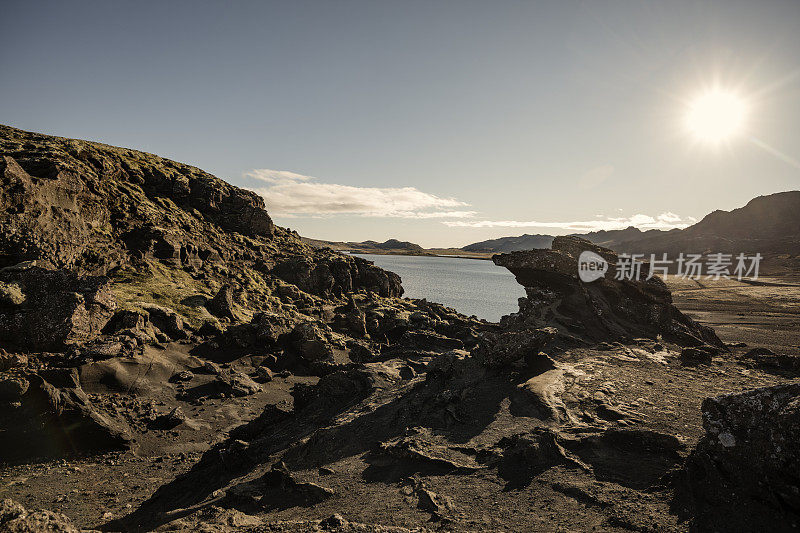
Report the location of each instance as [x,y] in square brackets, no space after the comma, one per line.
[173,360]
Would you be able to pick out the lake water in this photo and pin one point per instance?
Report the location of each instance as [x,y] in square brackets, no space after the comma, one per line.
[470,286]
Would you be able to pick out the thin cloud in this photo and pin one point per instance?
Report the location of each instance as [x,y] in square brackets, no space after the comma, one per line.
[664,221]
[291,194]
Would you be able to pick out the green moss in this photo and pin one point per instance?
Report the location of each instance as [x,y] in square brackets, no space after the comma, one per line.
[160,285]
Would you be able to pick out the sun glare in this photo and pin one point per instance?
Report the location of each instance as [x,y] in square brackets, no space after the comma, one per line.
[716,116]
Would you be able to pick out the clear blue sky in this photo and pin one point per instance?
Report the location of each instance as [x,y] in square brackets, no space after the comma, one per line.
[440,122]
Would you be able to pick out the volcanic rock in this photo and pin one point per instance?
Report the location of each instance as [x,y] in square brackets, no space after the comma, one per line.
[743,473]
[501,349]
[56,422]
[603,310]
[12,387]
[14,518]
[59,308]
[331,274]
[698,355]
[311,342]
[767,359]
[222,305]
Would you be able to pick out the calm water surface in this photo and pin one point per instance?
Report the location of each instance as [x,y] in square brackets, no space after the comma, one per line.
[470,286]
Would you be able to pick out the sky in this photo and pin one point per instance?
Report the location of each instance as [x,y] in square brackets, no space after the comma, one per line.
[438,122]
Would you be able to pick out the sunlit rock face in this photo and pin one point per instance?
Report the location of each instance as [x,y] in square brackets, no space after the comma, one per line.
[73,202]
[601,310]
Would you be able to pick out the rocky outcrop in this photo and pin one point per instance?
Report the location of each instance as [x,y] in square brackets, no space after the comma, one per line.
[55,198]
[331,274]
[743,474]
[601,310]
[45,421]
[14,518]
[53,308]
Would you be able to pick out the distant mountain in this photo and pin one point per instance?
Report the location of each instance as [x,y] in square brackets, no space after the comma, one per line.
[609,238]
[511,244]
[768,224]
[775,216]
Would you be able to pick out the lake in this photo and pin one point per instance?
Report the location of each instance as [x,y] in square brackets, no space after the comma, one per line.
[470,286]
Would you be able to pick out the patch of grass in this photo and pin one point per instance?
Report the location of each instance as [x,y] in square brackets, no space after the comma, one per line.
[161,285]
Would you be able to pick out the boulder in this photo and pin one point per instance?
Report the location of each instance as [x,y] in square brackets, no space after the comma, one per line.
[606,309]
[12,388]
[500,349]
[221,305]
[52,422]
[311,343]
[743,474]
[327,273]
[14,518]
[279,480]
[259,335]
[234,383]
[59,308]
[698,355]
[167,321]
[767,359]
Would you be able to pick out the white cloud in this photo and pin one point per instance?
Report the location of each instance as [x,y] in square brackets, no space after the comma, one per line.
[665,221]
[291,194]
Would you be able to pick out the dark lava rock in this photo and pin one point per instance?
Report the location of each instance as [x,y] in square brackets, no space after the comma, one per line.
[12,387]
[261,334]
[98,186]
[330,274]
[14,518]
[360,352]
[311,343]
[430,340]
[744,474]
[234,383]
[767,359]
[281,481]
[51,422]
[603,310]
[222,304]
[340,387]
[501,349]
[698,355]
[167,321]
[60,308]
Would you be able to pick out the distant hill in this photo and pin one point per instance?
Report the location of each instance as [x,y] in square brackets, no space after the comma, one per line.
[610,238]
[391,245]
[769,225]
[511,244]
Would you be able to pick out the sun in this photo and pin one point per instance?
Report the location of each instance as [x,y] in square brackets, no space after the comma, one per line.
[716,116]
